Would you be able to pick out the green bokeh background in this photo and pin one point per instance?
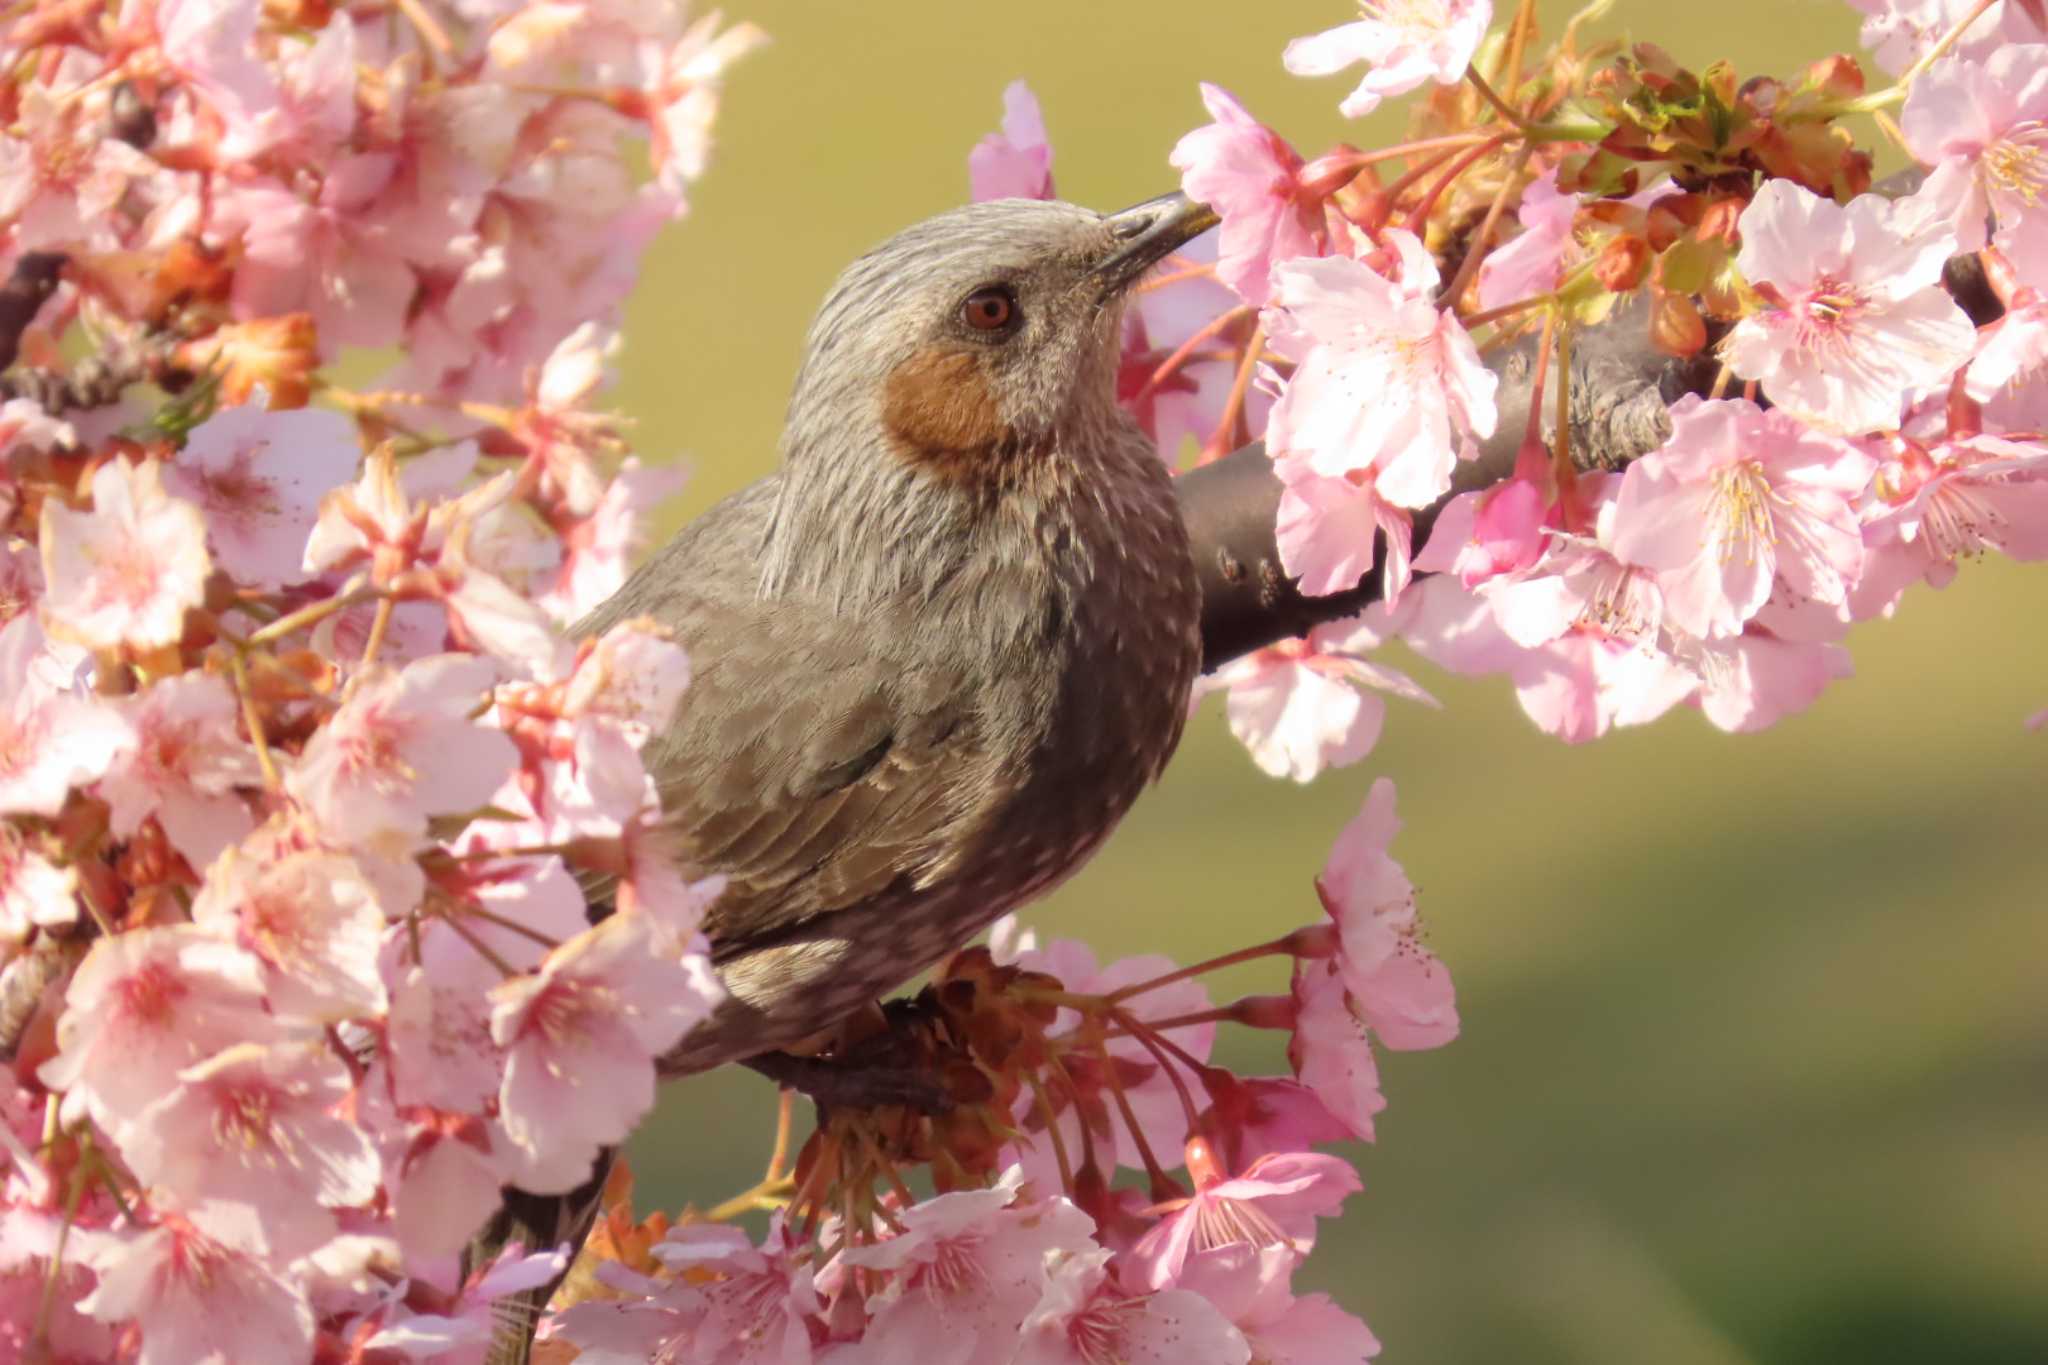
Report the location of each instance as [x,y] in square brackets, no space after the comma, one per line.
[1755,1052]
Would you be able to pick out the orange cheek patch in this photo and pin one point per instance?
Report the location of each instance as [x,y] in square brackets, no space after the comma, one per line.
[938,410]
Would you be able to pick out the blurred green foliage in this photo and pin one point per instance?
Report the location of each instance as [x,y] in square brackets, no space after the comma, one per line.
[1755,1060]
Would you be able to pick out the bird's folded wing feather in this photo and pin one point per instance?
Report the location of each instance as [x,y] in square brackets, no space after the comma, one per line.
[814,761]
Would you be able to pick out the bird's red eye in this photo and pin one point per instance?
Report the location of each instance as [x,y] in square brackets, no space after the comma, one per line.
[990,309]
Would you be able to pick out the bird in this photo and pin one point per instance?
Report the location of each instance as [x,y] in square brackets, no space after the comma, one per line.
[934,658]
[939,653]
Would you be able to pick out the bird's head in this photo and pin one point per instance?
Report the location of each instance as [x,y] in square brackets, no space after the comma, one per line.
[974,343]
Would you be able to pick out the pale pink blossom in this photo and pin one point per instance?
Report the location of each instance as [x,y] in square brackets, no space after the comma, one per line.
[403,748]
[1854,314]
[1274,1203]
[61,178]
[258,478]
[1085,1317]
[1584,683]
[37,1324]
[1736,499]
[1015,163]
[1329,528]
[201,1287]
[323,256]
[1396,984]
[2009,374]
[33,890]
[1983,127]
[1753,681]
[963,1273]
[1250,1287]
[260,1125]
[50,739]
[761,1307]
[1190,402]
[1902,31]
[125,572]
[465,1331]
[444,1185]
[1959,498]
[1532,262]
[1329,1050]
[581,1037]
[1248,174]
[186,767]
[602,547]
[212,46]
[1386,382]
[1305,705]
[313,922]
[142,1007]
[438,1035]
[1405,43]
[686,95]
[1482,535]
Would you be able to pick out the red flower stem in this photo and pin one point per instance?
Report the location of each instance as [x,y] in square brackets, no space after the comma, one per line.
[1159,1047]
[1228,437]
[1052,1129]
[1419,215]
[1171,277]
[1154,1173]
[1283,944]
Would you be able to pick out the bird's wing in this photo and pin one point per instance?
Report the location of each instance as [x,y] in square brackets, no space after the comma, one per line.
[809,762]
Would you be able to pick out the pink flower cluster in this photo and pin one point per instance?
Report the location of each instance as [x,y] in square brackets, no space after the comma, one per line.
[299,766]
[1055,1263]
[1722,570]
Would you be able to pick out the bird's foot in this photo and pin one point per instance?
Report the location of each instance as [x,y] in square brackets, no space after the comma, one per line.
[842,1083]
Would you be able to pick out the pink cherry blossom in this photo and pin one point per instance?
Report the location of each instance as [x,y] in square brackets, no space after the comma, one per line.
[438,1033]
[200,1285]
[257,1124]
[763,1303]
[1252,178]
[603,546]
[1960,498]
[1753,681]
[125,572]
[966,1270]
[1737,498]
[1305,705]
[60,176]
[1396,984]
[580,1038]
[313,922]
[1855,315]
[1406,43]
[402,748]
[1329,1050]
[687,92]
[2009,374]
[50,740]
[1983,127]
[1328,528]
[1085,1317]
[258,477]
[142,1007]
[1532,262]
[185,767]
[1902,31]
[30,1239]
[1015,163]
[1250,1286]
[1274,1203]
[33,890]
[1386,382]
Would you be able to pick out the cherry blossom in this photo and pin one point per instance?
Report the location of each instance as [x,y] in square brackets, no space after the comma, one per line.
[1329,1049]
[33,890]
[201,1284]
[1305,705]
[1015,163]
[126,572]
[1252,178]
[142,1007]
[258,477]
[1396,984]
[1274,1203]
[1405,42]
[1386,383]
[580,1039]
[310,918]
[400,749]
[1960,498]
[966,1269]
[1902,31]
[50,740]
[1983,127]
[1085,1317]
[1328,528]
[185,767]
[1738,498]
[1855,315]
[1532,262]
[1251,1287]
[257,1124]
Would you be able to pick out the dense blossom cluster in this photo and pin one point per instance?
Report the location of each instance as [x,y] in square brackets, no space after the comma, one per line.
[304,778]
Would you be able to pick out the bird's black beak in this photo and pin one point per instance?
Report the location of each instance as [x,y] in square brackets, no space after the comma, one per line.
[1146,234]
